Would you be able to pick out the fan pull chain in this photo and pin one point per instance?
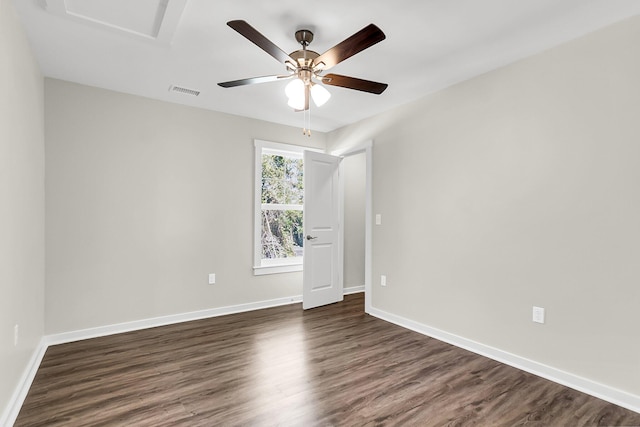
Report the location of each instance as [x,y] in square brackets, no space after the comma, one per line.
[309,119]
[306,128]
[304,122]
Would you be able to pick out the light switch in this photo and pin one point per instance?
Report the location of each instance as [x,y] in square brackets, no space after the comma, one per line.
[538,314]
[378,219]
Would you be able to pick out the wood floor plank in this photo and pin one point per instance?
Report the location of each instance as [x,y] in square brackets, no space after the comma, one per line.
[330,366]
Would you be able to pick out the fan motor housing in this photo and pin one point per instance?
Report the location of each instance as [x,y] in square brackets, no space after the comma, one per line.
[304,58]
[304,37]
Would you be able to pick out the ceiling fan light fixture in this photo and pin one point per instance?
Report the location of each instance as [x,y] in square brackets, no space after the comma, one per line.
[295,91]
[296,104]
[319,94]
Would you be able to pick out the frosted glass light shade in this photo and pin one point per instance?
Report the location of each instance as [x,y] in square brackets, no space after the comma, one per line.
[320,95]
[296,104]
[295,89]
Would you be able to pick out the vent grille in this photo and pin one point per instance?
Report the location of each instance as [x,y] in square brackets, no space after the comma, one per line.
[184,90]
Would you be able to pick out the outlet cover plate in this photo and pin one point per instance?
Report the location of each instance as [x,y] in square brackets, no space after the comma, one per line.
[538,314]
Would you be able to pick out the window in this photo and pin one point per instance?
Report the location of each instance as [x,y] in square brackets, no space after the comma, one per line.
[278,233]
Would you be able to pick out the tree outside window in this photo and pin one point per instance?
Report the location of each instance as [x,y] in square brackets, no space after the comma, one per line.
[282,206]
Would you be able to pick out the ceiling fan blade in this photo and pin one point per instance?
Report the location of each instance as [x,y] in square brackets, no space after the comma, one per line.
[254,80]
[363,39]
[259,40]
[354,83]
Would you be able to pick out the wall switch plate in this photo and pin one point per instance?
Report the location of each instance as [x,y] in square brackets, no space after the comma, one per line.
[16,334]
[212,278]
[383,280]
[378,219]
[538,314]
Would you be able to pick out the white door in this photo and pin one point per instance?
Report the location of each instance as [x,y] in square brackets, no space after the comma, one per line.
[322,265]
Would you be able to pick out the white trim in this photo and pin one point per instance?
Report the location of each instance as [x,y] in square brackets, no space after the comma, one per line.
[274,147]
[340,265]
[154,322]
[275,269]
[353,290]
[278,265]
[356,149]
[11,411]
[282,262]
[368,230]
[367,148]
[102,331]
[294,153]
[257,201]
[593,388]
[277,148]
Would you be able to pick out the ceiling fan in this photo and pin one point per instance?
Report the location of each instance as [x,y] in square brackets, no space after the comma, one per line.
[306,67]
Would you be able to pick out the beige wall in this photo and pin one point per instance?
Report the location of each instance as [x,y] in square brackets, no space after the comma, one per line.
[21,202]
[520,188]
[144,199]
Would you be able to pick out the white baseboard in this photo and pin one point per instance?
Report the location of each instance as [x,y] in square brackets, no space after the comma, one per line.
[102,331]
[601,391]
[136,325]
[353,289]
[11,411]
[8,417]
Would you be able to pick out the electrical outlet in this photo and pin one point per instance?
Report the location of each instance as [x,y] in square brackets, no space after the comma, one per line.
[383,280]
[16,334]
[212,278]
[538,314]
[378,219]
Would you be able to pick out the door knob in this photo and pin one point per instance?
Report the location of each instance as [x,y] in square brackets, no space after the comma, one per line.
[311,238]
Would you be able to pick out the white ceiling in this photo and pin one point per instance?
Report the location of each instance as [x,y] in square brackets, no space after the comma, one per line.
[144,47]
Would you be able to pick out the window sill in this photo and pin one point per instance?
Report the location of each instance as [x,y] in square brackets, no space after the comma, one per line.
[275,269]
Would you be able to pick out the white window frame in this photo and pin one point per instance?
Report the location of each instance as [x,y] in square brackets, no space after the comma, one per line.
[261,266]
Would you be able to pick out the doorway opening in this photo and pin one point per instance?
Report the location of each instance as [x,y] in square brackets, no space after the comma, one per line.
[357,193]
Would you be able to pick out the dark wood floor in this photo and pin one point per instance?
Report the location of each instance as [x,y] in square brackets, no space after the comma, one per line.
[330,366]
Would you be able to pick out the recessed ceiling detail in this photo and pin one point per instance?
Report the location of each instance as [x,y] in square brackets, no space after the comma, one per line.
[149,19]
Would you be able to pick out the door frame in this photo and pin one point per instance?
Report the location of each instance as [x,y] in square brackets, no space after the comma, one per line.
[367,148]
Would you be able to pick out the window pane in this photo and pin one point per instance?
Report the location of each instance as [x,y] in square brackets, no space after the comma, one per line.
[282,234]
[282,180]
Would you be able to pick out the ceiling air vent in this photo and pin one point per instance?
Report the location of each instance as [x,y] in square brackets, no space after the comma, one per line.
[184,90]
